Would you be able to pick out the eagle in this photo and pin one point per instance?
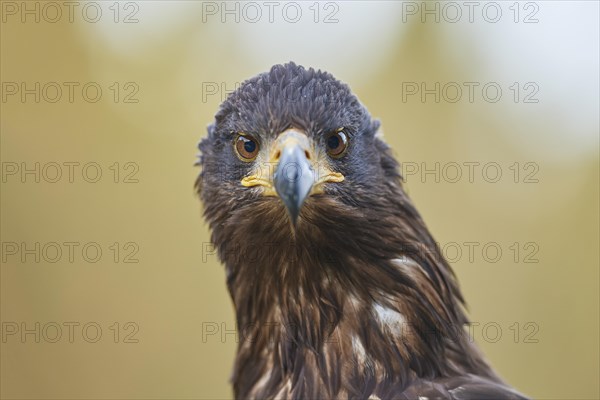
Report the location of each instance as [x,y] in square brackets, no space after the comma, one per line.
[339,289]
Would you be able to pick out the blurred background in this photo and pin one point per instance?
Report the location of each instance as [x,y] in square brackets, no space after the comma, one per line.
[109,286]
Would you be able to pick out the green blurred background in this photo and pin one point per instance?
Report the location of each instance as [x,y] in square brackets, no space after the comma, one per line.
[173,63]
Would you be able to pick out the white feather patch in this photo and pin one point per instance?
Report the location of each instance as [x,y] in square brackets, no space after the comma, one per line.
[359,349]
[391,319]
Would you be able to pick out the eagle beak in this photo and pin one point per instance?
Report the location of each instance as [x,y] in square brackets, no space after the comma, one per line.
[297,173]
[294,175]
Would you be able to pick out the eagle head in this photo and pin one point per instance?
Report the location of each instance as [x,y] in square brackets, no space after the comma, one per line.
[291,140]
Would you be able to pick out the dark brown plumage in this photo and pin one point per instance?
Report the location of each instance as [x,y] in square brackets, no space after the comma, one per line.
[338,286]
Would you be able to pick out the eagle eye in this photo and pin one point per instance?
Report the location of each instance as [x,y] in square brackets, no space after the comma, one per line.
[337,143]
[246,147]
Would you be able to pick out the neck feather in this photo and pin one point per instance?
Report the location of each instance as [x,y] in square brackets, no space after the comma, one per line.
[322,313]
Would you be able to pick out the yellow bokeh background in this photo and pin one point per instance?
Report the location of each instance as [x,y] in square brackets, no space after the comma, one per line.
[175,55]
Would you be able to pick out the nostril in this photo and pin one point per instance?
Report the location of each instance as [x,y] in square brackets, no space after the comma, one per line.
[307,154]
[277,155]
